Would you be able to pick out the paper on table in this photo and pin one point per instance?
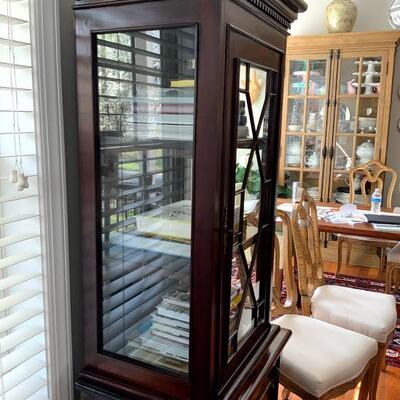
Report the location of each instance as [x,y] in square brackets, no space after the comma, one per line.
[347,214]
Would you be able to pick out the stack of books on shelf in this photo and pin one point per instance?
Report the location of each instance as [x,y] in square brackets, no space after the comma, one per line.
[166,342]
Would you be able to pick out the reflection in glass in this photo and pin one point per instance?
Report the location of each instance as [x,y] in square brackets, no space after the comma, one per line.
[371,76]
[317,81]
[298,74]
[293,151]
[344,152]
[295,115]
[349,76]
[368,112]
[311,183]
[312,152]
[315,115]
[146,101]
[346,115]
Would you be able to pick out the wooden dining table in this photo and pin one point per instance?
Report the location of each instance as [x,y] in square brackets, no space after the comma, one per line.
[358,229]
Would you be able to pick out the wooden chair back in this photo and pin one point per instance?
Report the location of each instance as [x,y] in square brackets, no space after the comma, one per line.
[283,272]
[374,173]
[307,246]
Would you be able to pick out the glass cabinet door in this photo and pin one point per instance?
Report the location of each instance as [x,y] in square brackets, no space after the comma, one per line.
[146,84]
[257,100]
[306,122]
[357,125]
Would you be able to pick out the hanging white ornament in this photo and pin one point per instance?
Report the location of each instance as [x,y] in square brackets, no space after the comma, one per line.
[13,177]
[26,183]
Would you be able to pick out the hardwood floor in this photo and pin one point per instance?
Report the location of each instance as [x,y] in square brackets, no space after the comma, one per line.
[389,382]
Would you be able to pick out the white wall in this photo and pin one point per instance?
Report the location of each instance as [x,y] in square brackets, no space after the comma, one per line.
[372,16]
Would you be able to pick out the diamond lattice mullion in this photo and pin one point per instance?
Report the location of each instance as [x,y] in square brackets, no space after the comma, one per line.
[251,115]
[259,163]
[248,167]
[264,108]
[248,286]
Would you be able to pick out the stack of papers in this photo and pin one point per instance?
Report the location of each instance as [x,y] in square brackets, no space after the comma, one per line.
[386,227]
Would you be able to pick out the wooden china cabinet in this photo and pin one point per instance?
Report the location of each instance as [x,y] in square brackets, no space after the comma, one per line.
[179,110]
[336,111]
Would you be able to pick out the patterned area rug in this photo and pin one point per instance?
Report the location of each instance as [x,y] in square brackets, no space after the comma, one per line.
[393,352]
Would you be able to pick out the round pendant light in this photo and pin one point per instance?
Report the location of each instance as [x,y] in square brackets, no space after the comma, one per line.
[394,14]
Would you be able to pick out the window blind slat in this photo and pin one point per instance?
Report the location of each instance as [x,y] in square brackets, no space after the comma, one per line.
[26,389]
[4,19]
[21,373]
[18,318]
[18,337]
[12,239]
[14,197]
[17,298]
[17,217]
[22,354]
[17,279]
[13,260]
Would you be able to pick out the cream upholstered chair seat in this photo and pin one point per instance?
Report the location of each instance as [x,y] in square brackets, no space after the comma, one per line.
[368,313]
[315,361]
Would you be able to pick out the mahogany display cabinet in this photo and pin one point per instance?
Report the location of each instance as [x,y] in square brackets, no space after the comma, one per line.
[179,110]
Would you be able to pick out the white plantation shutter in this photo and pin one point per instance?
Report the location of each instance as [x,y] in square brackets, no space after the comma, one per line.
[23,373]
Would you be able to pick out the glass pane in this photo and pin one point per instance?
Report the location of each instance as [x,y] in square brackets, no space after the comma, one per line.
[298,76]
[317,82]
[290,177]
[365,149]
[311,182]
[146,134]
[368,112]
[312,152]
[244,123]
[258,86]
[371,76]
[250,186]
[344,152]
[295,115]
[243,76]
[340,188]
[346,115]
[293,151]
[315,115]
[349,75]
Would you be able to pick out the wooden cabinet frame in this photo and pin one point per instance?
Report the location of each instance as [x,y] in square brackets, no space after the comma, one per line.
[334,48]
[252,372]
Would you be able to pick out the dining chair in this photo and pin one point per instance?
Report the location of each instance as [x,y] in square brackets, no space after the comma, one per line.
[369,313]
[373,173]
[320,361]
[393,270]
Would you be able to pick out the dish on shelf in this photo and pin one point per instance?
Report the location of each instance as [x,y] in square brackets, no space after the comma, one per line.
[367,124]
[371,84]
[373,73]
[313,192]
[344,198]
[304,73]
[295,128]
[374,62]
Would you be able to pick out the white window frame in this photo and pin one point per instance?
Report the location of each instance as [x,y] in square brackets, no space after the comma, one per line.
[46,60]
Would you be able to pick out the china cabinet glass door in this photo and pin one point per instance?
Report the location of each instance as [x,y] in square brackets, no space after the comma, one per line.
[256,102]
[306,122]
[357,124]
[146,84]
